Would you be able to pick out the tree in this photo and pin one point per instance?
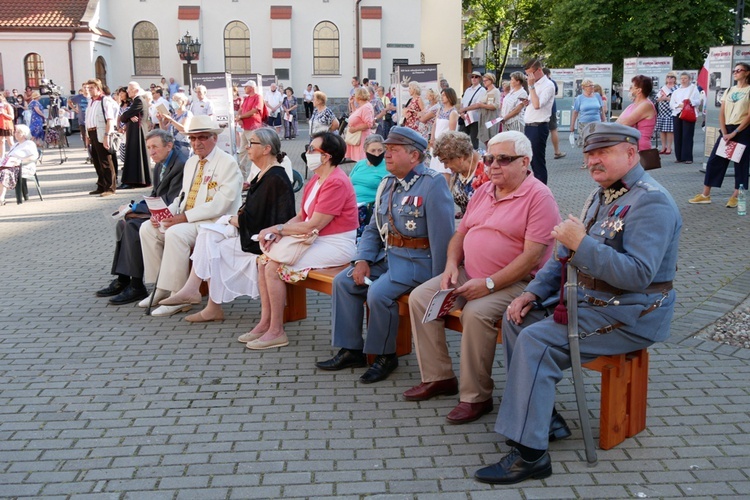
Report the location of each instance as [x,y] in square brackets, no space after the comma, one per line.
[502,20]
[572,32]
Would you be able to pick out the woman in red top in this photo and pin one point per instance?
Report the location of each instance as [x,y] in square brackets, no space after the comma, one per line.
[329,206]
[6,125]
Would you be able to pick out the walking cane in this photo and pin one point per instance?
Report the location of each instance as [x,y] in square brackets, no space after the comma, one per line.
[575,359]
[158,273]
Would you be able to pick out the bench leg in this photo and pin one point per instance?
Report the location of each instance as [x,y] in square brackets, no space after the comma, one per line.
[296,303]
[637,391]
[403,340]
[613,420]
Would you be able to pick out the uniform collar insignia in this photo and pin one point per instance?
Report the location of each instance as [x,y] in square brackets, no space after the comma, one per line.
[614,191]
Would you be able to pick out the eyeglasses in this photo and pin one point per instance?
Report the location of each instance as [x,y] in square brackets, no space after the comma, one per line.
[474,76]
[313,149]
[501,160]
[254,143]
[739,71]
[202,137]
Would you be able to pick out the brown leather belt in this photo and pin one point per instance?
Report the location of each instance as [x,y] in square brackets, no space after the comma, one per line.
[395,240]
[91,129]
[591,283]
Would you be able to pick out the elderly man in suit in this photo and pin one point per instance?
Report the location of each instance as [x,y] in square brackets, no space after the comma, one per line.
[128,260]
[404,245]
[624,250]
[212,188]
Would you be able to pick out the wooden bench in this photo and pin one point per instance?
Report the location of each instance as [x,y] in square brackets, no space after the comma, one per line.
[624,380]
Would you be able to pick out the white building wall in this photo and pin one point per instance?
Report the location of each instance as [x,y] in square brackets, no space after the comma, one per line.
[429,26]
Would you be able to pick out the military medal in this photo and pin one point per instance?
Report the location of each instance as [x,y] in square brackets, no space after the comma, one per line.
[410,225]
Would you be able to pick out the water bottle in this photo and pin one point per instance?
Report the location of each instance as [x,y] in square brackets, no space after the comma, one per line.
[741,201]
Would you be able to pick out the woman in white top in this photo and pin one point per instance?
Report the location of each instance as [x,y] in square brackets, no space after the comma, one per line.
[447,119]
[23,152]
[514,103]
[683,130]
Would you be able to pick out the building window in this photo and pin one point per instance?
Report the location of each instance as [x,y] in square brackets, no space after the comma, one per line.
[34,69]
[515,50]
[326,49]
[146,49]
[101,70]
[237,48]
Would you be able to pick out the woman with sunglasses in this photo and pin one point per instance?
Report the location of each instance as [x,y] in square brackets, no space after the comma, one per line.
[225,254]
[329,206]
[664,123]
[734,120]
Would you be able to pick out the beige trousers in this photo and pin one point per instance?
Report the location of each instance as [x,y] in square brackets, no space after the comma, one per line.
[169,252]
[478,342]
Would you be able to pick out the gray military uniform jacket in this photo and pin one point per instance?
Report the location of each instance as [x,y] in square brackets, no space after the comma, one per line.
[632,242]
[425,210]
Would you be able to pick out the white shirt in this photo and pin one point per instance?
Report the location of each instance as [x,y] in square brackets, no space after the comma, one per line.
[682,93]
[94,111]
[273,99]
[309,95]
[545,91]
[473,95]
[203,107]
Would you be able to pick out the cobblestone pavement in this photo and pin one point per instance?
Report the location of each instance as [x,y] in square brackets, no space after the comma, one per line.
[98,401]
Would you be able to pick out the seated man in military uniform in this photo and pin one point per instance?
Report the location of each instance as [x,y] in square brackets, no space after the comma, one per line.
[624,249]
[404,245]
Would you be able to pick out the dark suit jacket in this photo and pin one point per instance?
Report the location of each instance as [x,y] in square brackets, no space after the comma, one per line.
[168,187]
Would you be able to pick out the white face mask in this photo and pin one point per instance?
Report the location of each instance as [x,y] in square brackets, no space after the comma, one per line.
[314,160]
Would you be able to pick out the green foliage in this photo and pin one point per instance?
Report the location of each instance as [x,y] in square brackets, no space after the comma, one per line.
[573,32]
[502,20]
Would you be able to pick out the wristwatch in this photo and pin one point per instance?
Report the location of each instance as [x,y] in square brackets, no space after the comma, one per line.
[279,228]
[490,284]
[531,87]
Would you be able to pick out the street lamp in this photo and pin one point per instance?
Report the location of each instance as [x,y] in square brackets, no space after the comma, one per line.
[189,51]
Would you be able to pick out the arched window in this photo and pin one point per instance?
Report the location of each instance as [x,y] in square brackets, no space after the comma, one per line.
[34,69]
[237,48]
[326,49]
[101,70]
[146,49]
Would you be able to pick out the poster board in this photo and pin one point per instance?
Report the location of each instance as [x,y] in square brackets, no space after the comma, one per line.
[424,74]
[565,79]
[219,92]
[654,67]
[597,73]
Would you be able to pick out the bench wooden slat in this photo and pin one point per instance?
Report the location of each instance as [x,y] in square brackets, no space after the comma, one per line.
[624,381]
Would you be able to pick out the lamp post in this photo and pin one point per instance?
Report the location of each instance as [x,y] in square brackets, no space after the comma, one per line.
[189,51]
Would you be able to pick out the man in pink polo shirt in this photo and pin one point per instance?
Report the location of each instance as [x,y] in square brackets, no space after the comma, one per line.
[503,240]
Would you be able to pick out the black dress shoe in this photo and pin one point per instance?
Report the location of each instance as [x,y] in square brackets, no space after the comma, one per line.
[558,429]
[95,191]
[380,369]
[130,294]
[345,358]
[513,469]
[114,288]
[124,186]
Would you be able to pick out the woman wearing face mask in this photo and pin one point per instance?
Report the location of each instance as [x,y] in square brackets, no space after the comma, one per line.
[366,176]
[329,206]
[641,114]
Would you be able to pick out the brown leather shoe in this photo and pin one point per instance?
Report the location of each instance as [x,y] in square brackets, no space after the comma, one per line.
[427,390]
[468,412]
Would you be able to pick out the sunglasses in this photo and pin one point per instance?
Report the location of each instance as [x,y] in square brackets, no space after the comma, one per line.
[501,160]
[474,76]
[739,71]
[202,137]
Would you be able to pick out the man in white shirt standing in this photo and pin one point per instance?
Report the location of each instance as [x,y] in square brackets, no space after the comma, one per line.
[273,98]
[101,114]
[537,115]
[201,105]
[473,94]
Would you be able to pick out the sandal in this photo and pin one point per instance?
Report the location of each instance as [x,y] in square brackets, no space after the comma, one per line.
[560,155]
